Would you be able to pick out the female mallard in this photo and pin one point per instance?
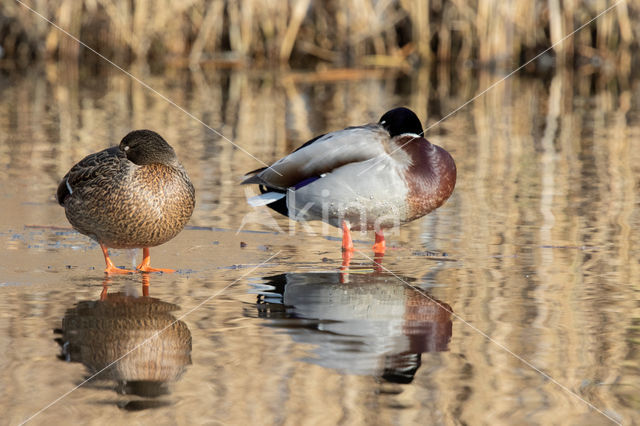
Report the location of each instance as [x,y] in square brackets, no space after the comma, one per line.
[370,177]
[136,195]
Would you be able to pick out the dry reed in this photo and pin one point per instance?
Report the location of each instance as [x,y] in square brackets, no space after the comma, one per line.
[386,33]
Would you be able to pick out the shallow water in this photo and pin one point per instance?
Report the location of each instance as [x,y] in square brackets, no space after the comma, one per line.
[515,303]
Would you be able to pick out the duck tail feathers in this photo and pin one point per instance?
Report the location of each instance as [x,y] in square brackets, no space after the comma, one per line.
[266,198]
[252,177]
[255,179]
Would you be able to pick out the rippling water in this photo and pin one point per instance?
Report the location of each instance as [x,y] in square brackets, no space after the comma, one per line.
[517,302]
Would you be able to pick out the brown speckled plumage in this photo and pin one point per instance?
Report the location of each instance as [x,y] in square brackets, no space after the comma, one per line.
[135,195]
[97,333]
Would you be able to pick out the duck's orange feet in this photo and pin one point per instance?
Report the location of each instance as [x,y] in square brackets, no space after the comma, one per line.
[146,262]
[143,268]
[380,246]
[347,242]
[111,268]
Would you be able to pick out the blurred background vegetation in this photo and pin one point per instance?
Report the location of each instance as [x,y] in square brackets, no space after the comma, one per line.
[338,33]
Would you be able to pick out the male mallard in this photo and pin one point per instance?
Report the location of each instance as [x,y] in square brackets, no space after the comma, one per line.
[372,177]
[136,195]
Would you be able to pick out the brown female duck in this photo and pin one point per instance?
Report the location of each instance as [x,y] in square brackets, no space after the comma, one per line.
[135,195]
[370,177]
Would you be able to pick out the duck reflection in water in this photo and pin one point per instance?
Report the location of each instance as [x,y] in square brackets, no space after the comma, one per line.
[374,324]
[99,332]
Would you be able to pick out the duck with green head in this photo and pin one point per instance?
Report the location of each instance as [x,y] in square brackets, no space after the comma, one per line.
[370,177]
[135,195]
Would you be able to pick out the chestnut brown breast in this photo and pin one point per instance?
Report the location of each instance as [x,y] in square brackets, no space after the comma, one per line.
[431,176]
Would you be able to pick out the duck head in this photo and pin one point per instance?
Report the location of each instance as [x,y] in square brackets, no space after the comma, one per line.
[147,147]
[401,120]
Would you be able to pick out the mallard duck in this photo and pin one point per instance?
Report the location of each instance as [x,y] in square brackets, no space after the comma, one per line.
[370,177]
[135,195]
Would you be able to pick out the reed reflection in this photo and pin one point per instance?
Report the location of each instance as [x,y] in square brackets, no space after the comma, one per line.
[99,332]
[361,322]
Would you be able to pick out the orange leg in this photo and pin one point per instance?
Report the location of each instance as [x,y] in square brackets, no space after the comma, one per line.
[105,288]
[347,242]
[344,269]
[377,262]
[103,293]
[380,245]
[111,268]
[146,261]
[347,252]
[145,285]
[346,259]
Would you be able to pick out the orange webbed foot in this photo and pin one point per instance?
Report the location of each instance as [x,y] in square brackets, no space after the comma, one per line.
[146,269]
[112,269]
[380,245]
[379,248]
[146,262]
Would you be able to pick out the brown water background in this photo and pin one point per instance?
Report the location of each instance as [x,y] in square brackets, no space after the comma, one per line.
[541,252]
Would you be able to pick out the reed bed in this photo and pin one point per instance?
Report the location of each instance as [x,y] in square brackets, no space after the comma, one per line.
[346,33]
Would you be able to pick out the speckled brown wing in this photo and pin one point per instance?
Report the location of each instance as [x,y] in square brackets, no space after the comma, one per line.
[94,170]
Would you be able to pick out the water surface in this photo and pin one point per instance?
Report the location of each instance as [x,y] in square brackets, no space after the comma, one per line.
[534,256]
